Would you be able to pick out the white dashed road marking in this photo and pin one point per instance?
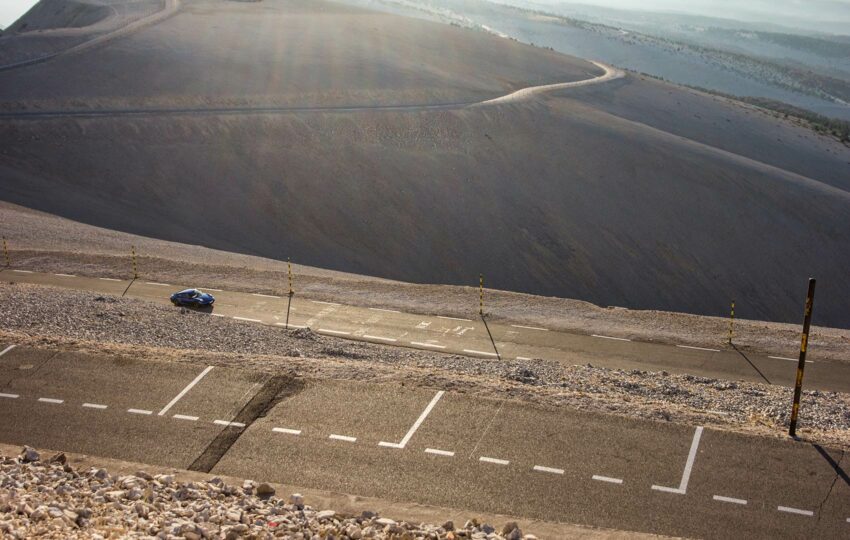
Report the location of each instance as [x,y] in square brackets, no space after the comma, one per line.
[729,499]
[217,315]
[795,511]
[523,358]
[7,349]
[607,479]
[689,465]
[530,327]
[51,400]
[157,284]
[246,319]
[210,289]
[454,318]
[345,438]
[23,271]
[139,411]
[548,469]
[412,430]
[94,406]
[697,348]
[326,303]
[228,424]
[10,396]
[790,359]
[185,417]
[380,338]
[287,430]
[296,326]
[432,345]
[337,332]
[473,351]
[439,452]
[185,390]
[493,460]
[382,309]
[65,275]
[609,337]
[109,279]
[265,295]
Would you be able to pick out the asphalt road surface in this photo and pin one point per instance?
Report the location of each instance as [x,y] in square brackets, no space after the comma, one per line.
[471,337]
[426,446]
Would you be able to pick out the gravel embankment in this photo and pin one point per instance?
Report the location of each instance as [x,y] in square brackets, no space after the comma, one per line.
[50,499]
[87,322]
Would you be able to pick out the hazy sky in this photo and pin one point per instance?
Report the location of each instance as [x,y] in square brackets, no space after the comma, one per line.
[10,10]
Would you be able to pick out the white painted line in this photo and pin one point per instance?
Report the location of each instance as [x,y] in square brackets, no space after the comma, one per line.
[493,460]
[697,348]
[380,338]
[548,469]
[287,430]
[609,337]
[65,275]
[412,430]
[795,511]
[326,303]
[848,520]
[607,479]
[10,396]
[439,452]
[291,325]
[139,411]
[530,327]
[523,358]
[338,332]
[421,344]
[265,295]
[228,424]
[7,349]
[689,465]
[342,437]
[211,289]
[729,499]
[790,359]
[217,315]
[183,392]
[109,279]
[185,417]
[453,318]
[382,309]
[246,319]
[157,284]
[51,400]
[94,406]
[473,351]
[23,271]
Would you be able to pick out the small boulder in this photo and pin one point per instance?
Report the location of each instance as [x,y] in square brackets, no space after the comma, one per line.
[29,455]
[264,491]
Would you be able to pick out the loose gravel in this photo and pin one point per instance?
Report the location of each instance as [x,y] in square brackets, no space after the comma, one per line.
[87,322]
[50,499]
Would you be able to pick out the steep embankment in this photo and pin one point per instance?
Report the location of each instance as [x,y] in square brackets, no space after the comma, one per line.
[50,14]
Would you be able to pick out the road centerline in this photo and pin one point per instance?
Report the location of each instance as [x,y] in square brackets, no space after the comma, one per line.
[412,430]
[183,392]
[7,349]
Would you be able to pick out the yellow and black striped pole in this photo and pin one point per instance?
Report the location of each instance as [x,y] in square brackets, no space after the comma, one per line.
[291,292]
[135,266]
[481,294]
[6,252]
[731,322]
[289,265]
[801,363]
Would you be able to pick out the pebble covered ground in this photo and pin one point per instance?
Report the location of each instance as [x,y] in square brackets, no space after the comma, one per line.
[48,498]
[88,322]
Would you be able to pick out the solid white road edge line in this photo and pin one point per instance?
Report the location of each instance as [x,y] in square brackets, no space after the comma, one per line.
[109,279]
[157,284]
[795,511]
[345,438]
[493,460]
[382,309]
[697,348]
[790,359]
[338,332]
[265,295]
[211,289]
[326,303]
[607,479]
[689,465]
[246,319]
[530,327]
[23,271]
[94,406]
[548,469]
[287,430]
[473,351]
[421,344]
[380,338]
[439,452]
[185,417]
[732,500]
[228,424]
[139,411]
[51,400]
[412,430]
[454,318]
[65,275]
[10,396]
[297,326]
[609,337]
[185,390]
[7,349]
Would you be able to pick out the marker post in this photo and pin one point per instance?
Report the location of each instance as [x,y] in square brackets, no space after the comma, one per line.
[801,364]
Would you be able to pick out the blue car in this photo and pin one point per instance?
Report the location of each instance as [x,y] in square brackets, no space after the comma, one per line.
[192,298]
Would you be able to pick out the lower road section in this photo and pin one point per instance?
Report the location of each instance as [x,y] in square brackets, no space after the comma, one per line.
[426,445]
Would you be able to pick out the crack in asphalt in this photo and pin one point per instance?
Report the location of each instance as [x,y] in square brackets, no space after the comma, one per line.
[839,473]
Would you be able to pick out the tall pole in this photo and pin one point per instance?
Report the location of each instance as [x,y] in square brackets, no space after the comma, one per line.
[801,363]
[481,294]
[291,292]
[731,322]
[135,267]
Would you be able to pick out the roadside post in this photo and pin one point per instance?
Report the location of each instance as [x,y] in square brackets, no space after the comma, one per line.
[481,295]
[6,252]
[291,292]
[801,364]
[135,266]
[731,321]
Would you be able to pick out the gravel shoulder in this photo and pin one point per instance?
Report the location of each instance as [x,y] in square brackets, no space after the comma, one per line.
[43,242]
[68,320]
